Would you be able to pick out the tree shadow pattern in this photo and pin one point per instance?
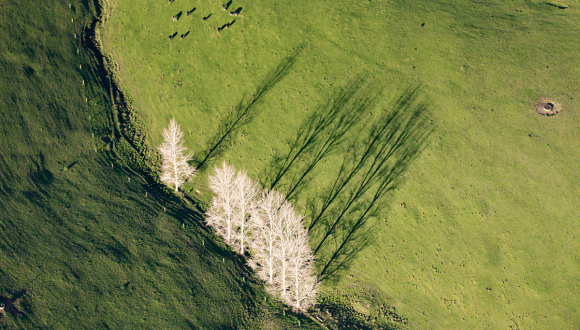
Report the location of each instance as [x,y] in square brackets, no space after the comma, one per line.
[320,136]
[373,165]
[244,112]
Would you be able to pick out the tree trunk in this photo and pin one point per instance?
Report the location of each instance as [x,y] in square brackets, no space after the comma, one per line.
[283,271]
[229,220]
[242,236]
[271,264]
[297,286]
[175,174]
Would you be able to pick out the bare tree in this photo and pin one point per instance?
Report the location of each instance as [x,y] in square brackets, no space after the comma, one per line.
[288,227]
[221,212]
[303,284]
[175,168]
[266,219]
[272,230]
[246,191]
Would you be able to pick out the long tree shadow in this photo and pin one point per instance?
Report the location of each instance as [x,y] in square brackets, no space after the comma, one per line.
[372,167]
[360,234]
[321,135]
[245,111]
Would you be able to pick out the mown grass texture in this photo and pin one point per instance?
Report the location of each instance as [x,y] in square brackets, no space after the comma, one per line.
[481,232]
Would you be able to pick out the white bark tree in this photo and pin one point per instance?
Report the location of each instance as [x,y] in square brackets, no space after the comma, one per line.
[175,168]
[221,212]
[288,227]
[303,284]
[272,230]
[246,191]
[266,218]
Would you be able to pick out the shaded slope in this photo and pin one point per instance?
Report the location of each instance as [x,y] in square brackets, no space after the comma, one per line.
[81,245]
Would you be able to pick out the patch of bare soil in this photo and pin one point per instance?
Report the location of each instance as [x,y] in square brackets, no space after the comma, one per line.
[547,107]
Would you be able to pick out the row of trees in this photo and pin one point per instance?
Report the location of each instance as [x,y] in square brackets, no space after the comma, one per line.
[262,223]
[268,227]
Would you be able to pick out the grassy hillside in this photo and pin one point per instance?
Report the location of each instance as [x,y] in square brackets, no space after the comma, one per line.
[481,232]
[85,242]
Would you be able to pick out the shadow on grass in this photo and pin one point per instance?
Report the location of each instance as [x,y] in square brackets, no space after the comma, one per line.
[87,231]
[321,135]
[5,178]
[73,206]
[373,165]
[42,174]
[244,112]
[171,204]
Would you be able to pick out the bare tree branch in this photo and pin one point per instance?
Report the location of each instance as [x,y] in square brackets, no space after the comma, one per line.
[223,207]
[272,230]
[303,284]
[246,191]
[175,167]
[266,216]
[287,227]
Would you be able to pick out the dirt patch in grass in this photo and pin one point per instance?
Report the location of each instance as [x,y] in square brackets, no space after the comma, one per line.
[548,107]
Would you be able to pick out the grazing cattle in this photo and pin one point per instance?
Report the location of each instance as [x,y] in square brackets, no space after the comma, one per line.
[188,13]
[170,37]
[233,13]
[181,37]
[227,26]
[204,19]
[174,18]
[224,7]
[219,29]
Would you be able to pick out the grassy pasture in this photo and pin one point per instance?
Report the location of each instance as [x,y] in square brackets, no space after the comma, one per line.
[82,246]
[482,234]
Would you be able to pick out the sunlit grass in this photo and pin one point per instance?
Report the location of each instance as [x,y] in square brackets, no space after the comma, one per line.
[481,233]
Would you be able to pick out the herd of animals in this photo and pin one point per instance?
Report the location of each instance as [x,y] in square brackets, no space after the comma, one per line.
[205,18]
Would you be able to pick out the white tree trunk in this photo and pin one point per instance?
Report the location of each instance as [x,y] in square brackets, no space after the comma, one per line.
[271,262]
[265,218]
[287,227]
[246,191]
[304,285]
[175,168]
[176,182]
[281,255]
[222,209]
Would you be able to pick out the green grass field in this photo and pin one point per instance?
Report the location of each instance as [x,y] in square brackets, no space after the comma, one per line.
[481,233]
[82,246]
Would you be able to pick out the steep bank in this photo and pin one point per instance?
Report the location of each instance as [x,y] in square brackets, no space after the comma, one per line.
[86,243]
